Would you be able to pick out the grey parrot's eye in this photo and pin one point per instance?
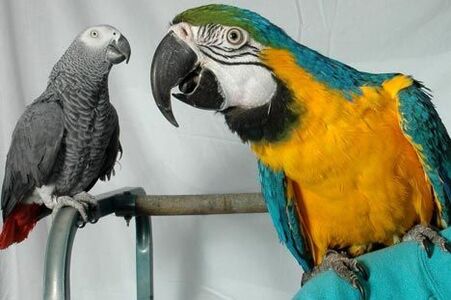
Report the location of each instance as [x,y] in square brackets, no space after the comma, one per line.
[235,36]
[94,34]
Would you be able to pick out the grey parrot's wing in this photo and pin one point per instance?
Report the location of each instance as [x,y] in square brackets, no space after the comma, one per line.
[112,152]
[33,152]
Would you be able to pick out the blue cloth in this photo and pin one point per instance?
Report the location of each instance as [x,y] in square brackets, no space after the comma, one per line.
[399,272]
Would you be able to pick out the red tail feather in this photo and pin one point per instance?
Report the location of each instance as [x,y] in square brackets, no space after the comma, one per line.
[19,223]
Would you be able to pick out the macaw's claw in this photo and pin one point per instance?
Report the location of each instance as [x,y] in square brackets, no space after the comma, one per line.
[346,268]
[427,238]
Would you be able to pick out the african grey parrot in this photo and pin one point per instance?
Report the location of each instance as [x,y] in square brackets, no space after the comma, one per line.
[67,139]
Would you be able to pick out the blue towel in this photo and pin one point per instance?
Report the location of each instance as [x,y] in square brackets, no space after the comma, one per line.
[399,272]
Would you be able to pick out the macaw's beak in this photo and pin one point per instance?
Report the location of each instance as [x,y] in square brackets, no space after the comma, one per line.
[176,64]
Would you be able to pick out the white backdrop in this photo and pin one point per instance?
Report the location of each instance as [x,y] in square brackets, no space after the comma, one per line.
[210,257]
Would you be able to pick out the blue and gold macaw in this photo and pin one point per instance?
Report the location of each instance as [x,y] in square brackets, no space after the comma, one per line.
[348,161]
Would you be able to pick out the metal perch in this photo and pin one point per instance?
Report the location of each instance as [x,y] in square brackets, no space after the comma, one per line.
[128,203]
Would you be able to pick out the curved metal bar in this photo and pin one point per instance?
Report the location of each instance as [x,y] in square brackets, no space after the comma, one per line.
[127,203]
[62,233]
[58,253]
[144,258]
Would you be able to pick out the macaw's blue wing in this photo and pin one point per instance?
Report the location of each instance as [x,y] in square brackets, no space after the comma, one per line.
[283,212]
[422,125]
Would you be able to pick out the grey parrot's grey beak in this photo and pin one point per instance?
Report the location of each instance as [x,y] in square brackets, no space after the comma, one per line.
[119,50]
[176,64]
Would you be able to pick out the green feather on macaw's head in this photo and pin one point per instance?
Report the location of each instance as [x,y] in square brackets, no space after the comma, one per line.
[259,28]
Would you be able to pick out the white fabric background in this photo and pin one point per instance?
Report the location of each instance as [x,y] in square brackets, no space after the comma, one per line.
[210,257]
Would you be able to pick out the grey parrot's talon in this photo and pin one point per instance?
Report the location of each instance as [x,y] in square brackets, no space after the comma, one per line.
[80,223]
[93,219]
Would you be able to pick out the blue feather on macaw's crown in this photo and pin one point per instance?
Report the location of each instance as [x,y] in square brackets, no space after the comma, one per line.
[333,73]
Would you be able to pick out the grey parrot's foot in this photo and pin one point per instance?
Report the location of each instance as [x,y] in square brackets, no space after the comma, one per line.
[63,201]
[81,202]
[347,268]
[86,199]
[427,238]
[90,204]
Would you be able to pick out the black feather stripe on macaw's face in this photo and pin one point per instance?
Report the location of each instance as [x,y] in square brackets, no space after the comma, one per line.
[215,67]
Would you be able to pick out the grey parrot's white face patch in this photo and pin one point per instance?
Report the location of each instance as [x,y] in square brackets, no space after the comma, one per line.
[233,56]
[99,37]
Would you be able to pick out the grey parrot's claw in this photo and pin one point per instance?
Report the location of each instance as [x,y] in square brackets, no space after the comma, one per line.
[71,202]
[80,223]
[93,218]
[92,214]
[86,199]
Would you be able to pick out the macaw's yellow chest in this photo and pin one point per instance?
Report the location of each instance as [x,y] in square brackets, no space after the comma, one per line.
[357,179]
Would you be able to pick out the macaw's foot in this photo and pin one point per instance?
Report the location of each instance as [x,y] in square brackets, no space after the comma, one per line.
[347,268]
[82,202]
[427,238]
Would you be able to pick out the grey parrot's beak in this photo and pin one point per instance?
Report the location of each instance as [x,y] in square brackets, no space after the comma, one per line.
[176,64]
[119,50]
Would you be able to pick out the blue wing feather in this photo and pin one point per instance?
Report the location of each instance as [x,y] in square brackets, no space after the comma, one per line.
[284,215]
[421,123]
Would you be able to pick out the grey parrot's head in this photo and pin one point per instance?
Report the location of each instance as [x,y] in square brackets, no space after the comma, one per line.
[95,49]
[105,43]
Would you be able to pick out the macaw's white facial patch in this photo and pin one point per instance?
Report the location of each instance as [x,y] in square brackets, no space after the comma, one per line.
[99,36]
[242,85]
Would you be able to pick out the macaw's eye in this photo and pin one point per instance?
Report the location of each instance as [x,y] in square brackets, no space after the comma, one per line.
[94,34]
[235,36]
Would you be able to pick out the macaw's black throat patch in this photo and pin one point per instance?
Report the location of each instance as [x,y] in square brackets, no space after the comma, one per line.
[270,122]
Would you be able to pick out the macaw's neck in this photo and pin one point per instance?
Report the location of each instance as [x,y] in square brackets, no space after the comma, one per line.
[311,91]
[270,122]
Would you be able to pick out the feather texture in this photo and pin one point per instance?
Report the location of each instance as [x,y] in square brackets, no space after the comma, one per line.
[422,125]
[284,214]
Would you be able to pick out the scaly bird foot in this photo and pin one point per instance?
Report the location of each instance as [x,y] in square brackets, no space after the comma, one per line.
[90,203]
[427,238]
[81,202]
[347,268]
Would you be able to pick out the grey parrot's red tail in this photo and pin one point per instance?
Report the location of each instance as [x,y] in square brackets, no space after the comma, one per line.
[19,223]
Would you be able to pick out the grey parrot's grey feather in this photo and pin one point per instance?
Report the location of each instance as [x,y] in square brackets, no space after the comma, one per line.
[35,145]
[91,127]
[112,152]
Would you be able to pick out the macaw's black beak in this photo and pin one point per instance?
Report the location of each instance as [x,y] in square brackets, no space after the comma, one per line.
[176,64]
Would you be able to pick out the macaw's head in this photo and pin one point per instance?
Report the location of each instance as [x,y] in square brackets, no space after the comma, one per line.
[218,57]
